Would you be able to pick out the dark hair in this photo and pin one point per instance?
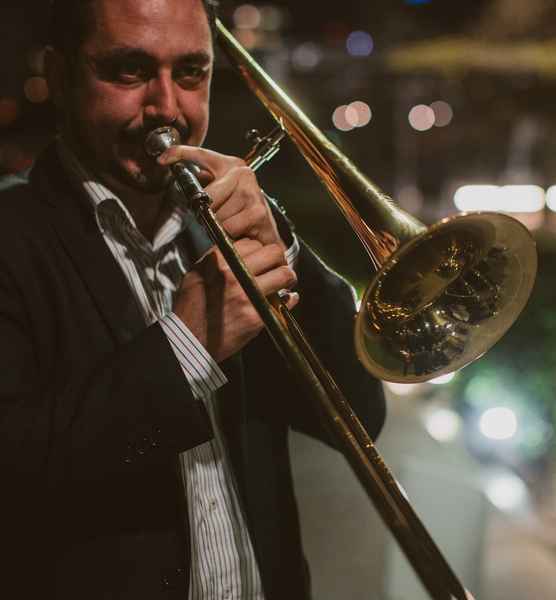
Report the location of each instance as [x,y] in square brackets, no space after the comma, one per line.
[70,21]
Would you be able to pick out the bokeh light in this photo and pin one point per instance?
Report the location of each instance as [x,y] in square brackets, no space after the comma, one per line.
[443,113]
[507,492]
[443,379]
[247,16]
[246,37]
[306,56]
[339,118]
[350,116]
[359,43]
[443,424]
[272,18]
[498,423]
[421,117]
[551,198]
[36,90]
[360,112]
[35,59]
[506,198]
[402,389]
[9,111]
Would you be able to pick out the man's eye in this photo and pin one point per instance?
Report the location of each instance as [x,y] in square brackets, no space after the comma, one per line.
[189,75]
[130,73]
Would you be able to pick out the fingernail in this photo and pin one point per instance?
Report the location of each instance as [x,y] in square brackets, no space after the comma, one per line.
[284,295]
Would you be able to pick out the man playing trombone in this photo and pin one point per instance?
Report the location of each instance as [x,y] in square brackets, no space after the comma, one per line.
[144,412]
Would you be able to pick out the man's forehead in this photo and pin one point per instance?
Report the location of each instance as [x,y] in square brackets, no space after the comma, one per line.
[174,25]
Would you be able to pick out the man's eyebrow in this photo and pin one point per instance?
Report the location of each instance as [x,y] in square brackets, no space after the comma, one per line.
[129,52]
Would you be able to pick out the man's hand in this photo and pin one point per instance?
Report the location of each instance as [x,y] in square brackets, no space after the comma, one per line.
[214,306]
[238,201]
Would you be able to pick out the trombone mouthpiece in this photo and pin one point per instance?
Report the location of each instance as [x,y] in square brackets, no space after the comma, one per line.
[160,139]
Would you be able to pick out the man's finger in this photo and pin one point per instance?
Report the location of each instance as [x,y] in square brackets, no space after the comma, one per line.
[264,260]
[212,162]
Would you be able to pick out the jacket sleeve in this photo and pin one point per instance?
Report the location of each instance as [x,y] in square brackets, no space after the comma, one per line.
[129,410]
[326,314]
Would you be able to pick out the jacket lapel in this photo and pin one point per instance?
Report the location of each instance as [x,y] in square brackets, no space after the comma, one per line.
[74,222]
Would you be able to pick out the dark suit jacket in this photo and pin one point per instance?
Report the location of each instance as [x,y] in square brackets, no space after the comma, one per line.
[94,410]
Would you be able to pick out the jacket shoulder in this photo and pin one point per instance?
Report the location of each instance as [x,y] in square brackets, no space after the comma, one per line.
[24,217]
[19,202]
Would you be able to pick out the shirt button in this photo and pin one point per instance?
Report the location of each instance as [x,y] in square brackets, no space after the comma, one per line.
[213,504]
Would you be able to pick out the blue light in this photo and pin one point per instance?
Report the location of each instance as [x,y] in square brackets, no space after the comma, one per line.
[417,2]
[359,43]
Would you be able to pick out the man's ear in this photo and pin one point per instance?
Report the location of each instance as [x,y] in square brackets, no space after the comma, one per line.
[56,72]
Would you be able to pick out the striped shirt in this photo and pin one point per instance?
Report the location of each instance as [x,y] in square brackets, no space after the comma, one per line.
[223,564]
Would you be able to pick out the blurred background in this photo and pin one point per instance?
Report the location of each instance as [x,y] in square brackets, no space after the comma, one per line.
[447,106]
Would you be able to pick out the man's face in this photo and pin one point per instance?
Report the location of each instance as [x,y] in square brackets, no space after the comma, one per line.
[144,64]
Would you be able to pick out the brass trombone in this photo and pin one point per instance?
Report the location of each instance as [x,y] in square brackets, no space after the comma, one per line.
[442,296]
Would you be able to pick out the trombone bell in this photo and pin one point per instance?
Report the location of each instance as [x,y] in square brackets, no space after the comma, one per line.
[445,297]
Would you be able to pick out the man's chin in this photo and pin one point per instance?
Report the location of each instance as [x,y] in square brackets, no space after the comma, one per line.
[153,179]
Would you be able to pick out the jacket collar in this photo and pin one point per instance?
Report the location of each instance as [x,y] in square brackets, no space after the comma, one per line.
[74,221]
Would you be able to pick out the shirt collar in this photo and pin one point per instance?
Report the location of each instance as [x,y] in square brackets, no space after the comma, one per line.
[103,199]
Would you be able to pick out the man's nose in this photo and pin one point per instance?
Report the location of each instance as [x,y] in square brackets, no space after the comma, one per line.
[161,105]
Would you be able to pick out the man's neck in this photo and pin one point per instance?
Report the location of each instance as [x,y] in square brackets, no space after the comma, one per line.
[149,210]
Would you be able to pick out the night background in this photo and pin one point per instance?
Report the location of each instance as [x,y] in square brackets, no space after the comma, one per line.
[427,97]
